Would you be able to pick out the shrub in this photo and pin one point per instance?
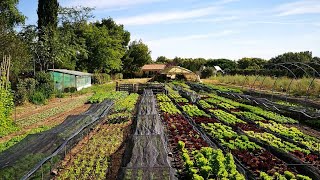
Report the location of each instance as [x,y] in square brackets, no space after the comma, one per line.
[70,89]
[59,94]
[117,76]
[38,98]
[207,72]
[25,89]
[44,84]
[101,78]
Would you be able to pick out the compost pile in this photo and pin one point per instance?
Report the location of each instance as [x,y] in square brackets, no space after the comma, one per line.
[146,155]
[47,142]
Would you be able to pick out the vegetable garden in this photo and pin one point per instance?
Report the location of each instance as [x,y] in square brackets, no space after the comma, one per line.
[184,134]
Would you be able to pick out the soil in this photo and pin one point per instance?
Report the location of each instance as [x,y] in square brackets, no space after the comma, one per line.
[51,121]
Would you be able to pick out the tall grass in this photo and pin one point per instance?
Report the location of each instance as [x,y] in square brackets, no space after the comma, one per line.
[296,87]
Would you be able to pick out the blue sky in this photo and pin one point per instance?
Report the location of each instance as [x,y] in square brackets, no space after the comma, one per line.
[210,28]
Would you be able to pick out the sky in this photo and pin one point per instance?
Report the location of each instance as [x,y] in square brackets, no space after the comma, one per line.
[210,28]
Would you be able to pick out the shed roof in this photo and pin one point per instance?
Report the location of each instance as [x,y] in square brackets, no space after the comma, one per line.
[174,70]
[155,67]
[76,73]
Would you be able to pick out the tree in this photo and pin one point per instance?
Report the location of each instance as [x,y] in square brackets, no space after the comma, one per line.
[163,59]
[47,15]
[305,56]
[10,43]
[47,27]
[10,15]
[251,63]
[136,56]
[71,38]
[225,64]
[106,44]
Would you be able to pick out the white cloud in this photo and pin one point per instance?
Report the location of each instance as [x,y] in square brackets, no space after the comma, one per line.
[107,4]
[299,7]
[218,19]
[177,40]
[165,17]
[285,23]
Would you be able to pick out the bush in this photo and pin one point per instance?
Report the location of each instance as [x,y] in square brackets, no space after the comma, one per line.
[101,78]
[25,89]
[207,72]
[70,89]
[38,98]
[117,76]
[44,84]
[6,106]
[59,94]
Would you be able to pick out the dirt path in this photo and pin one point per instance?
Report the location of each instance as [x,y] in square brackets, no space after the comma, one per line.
[51,121]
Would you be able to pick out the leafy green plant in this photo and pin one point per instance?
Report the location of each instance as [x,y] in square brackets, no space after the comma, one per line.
[226,117]
[205,105]
[38,98]
[193,110]
[163,98]
[256,110]
[249,115]
[92,161]
[276,142]
[209,163]
[292,133]
[228,137]
[169,107]
[101,96]
[50,112]
[6,105]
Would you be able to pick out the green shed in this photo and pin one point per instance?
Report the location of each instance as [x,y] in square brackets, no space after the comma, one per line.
[64,78]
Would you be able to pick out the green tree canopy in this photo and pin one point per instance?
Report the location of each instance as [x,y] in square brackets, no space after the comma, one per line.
[10,16]
[48,15]
[163,60]
[305,56]
[225,64]
[136,56]
[251,63]
[106,45]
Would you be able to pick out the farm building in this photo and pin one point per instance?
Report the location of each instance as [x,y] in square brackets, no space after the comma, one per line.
[174,71]
[68,79]
[152,69]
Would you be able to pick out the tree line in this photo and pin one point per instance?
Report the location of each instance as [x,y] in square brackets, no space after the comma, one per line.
[64,38]
[249,66]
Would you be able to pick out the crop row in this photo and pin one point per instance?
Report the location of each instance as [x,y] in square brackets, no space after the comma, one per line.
[209,163]
[111,95]
[241,146]
[193,110]
[226,117]
[291,133]
[92,161]
[50,112]
[269,115]
[271,140]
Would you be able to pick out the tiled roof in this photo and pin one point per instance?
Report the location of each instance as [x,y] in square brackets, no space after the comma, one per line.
[149,67]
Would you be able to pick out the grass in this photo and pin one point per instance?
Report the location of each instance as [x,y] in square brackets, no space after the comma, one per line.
[298,86]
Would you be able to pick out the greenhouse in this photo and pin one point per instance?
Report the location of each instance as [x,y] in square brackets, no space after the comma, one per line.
[70,80]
